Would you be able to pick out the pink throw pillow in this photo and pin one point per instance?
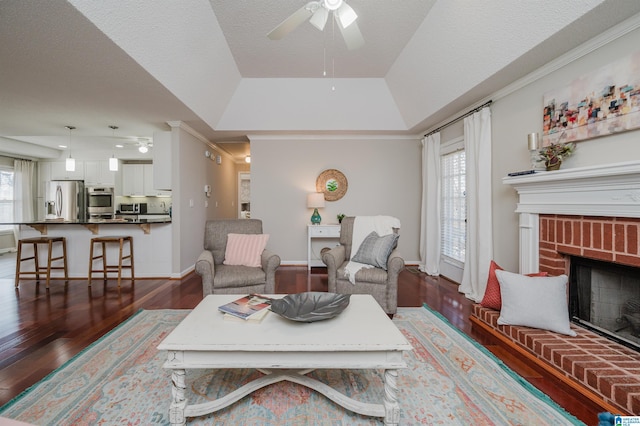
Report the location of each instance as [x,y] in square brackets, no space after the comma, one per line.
[245,249]
[492,298]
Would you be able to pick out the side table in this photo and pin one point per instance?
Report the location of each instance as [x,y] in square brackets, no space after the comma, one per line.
[329,231]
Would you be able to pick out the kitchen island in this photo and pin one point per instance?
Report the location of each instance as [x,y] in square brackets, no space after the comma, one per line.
[152,242]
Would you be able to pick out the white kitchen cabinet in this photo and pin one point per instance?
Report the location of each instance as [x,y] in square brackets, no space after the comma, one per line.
[97,173]
[137,180]
[148,180]
[59,172]
[55,170]
[149,183]
[162,163]
[133,180]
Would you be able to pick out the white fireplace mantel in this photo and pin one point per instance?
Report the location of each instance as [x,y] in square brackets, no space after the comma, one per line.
[606,190]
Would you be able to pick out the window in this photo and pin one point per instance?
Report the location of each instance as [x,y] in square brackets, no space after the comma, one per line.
[453,209]
[6,199]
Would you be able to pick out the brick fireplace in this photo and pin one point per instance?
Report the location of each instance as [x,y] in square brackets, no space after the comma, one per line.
[610,239]
[588,213]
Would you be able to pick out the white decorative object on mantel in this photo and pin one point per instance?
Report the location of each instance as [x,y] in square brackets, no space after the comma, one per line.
[611,190]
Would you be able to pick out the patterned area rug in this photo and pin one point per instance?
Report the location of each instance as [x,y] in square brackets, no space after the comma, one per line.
[449,380]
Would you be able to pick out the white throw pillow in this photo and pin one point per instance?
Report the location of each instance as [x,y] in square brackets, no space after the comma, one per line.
[538,302]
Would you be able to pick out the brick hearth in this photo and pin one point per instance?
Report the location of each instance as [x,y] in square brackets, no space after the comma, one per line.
[607,370]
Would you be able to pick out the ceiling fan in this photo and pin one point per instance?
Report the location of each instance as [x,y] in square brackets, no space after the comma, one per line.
[319,11]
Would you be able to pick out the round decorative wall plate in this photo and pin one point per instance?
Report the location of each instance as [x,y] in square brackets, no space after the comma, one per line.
[333,184]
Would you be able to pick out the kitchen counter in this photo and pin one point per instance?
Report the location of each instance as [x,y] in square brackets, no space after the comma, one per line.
[94,224]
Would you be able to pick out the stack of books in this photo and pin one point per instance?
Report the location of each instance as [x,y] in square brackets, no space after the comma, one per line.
[252,308]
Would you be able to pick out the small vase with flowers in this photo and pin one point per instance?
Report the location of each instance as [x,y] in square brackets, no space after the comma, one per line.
[553,154]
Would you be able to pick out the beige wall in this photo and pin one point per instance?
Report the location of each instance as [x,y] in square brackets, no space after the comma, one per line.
[191,207]
[383,176]
[520,113]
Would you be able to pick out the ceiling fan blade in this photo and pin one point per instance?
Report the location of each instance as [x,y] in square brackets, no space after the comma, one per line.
[346,15]
[352,36]
[319,18]
[293,21]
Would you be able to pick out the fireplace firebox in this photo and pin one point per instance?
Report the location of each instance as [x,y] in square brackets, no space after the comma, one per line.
[605,297]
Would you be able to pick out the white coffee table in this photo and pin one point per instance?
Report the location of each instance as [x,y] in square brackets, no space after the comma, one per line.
[361,337]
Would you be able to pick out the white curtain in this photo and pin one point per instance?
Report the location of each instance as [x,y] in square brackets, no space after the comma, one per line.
[23,178]
[479,247]
[430,215]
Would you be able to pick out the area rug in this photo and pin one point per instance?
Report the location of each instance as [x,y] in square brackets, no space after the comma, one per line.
[450,380]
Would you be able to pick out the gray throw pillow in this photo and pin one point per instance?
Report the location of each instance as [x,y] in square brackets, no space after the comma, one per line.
[375,250]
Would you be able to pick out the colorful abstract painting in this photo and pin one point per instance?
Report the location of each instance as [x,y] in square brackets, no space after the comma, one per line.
[600,103]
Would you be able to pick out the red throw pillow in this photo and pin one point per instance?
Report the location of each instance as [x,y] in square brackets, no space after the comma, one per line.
[492,298]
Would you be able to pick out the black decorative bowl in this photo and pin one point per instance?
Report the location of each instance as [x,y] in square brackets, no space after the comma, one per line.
[310,306]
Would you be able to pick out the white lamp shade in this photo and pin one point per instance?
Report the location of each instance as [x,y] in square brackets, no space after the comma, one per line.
[315,200]
[113,164]
[70,165]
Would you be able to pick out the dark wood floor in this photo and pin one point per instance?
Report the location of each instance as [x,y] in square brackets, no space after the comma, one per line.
[42,329]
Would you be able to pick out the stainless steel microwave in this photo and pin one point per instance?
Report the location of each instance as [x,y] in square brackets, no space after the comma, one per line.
[135,208]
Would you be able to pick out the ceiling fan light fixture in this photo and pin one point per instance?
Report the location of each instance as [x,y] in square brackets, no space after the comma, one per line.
[346,15]
[319,18]
[332,4]
[143,148]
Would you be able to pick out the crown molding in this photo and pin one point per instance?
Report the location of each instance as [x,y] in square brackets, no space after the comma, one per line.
[311,136]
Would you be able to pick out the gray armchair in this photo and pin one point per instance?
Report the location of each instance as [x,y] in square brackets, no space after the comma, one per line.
[381,284]
[218,278]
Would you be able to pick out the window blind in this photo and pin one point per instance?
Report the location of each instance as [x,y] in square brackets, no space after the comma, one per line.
[6,199]
[453,213]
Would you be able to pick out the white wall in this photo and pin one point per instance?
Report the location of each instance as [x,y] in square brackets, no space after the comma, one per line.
[383,175]
[520,113]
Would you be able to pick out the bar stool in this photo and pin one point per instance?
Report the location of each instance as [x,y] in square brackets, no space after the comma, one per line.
[106,268]
[46,270]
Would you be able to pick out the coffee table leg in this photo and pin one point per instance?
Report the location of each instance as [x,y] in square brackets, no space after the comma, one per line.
[391,405]
[178,400]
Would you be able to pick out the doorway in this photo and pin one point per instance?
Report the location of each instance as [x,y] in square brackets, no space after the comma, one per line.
[244,195]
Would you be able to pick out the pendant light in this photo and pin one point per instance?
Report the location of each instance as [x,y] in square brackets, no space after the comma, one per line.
[70,163]
[113,161]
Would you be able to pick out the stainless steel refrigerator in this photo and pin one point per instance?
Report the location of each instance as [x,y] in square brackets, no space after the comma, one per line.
[65,199]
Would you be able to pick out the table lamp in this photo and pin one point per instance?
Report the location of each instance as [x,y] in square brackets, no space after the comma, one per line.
[314,201]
